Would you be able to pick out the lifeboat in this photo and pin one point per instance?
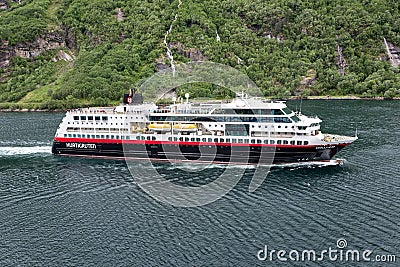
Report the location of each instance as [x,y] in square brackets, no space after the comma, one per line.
[159,127]
[185,127]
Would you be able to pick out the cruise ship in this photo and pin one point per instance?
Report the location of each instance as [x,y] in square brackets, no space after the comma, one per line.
[245,130]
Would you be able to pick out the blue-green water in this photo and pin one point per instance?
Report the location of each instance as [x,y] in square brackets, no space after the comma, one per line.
[58,211]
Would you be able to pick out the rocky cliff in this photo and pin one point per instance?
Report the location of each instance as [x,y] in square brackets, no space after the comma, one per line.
[28,50]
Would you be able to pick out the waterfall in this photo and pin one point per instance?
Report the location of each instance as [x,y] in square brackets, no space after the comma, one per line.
[169,52]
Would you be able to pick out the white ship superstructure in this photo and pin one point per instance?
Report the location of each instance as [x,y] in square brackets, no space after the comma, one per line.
[210,131]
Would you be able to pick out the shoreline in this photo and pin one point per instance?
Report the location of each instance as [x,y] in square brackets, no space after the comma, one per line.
[349,97]
[378,98]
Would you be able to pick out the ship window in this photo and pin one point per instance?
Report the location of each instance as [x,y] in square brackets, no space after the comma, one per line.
[305,142]
[272,142]
[299,143]
[148,138]
[97,118]
[70,135]
[277,112]
[221,140]
[97,136]
[65,135]
[197,139]
[240,141]
[153,138]
[259,141]
[79,135]
[209,140]
[295,118]
[216,140]
[265,141]
[204,139]
[117,137]
[175,138]
[285,142]
[279,142]
[112,136]
[83,118]
[102,136]
[246,141]
[74,135]
[92,135]
[253,141]
[76,118]
[292,142]
[169,138]
[279,126]
[233,140]
[104,118]
[187,139]
[137,137]
[287,110]
[192,139]
[90,118]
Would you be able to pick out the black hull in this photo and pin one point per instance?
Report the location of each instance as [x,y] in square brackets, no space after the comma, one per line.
[251,154]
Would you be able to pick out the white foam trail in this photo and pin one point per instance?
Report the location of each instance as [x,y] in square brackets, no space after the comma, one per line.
[309,164]
[210,165]
[27,150]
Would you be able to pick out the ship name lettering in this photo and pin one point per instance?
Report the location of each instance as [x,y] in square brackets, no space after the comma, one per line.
[79,145]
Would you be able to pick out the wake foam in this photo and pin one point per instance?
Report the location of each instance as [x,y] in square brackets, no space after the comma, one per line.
[27,150]
[189,166]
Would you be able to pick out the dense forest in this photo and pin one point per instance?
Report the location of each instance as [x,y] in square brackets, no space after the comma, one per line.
[287,47]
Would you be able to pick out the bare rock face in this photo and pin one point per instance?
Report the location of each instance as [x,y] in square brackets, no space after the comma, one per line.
[119,14]
[193,54]
[3,5]
[50,41]
[161,65]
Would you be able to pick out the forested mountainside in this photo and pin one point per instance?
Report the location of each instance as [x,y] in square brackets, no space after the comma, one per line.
[65,53]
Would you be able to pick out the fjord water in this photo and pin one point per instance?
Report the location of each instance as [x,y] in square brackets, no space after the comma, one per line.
[57,211]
